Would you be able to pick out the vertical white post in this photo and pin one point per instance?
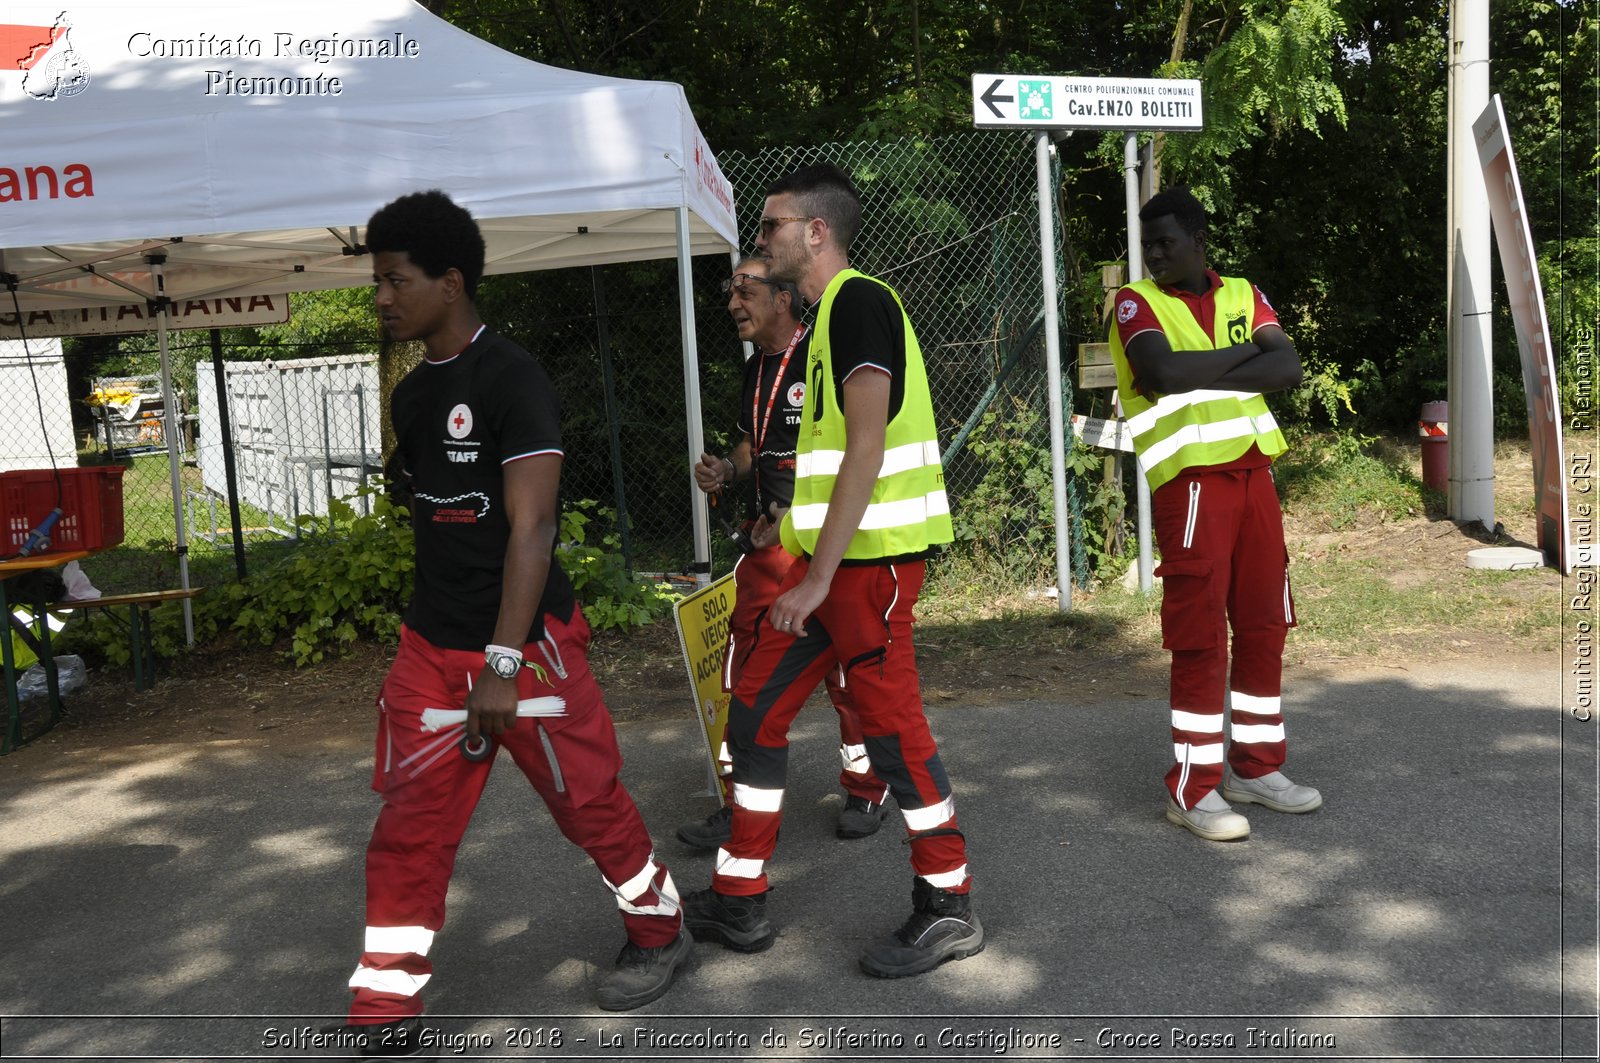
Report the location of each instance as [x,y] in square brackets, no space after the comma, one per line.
[700,515]
[1052,363]
[1130,187]
[169,405]
[1470,392]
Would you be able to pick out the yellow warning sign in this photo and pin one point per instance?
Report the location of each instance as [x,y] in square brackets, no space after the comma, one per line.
[704,618]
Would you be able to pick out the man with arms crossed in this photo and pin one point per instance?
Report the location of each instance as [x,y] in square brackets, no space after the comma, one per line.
[1194,351]
[869,505]
[492,623]
[767,314]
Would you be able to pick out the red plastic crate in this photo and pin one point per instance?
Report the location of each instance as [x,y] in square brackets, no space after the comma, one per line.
[91,507]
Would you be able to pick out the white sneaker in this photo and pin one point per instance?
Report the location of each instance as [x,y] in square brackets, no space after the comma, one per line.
[1273,790]
[1210,818]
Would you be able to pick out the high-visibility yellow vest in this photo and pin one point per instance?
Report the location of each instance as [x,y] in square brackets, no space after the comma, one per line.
[1203,427]
[908,511]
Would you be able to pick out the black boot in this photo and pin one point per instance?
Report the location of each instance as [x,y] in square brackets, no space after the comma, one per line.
[711,832]
[861,818]
[643,974]
[942,927]
[740,923]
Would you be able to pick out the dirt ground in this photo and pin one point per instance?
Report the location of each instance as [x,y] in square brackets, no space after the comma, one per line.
[230,693]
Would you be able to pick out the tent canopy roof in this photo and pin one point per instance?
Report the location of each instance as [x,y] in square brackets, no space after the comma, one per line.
[248,143]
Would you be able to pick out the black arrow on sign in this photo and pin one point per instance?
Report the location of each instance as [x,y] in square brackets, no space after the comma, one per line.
[990,99]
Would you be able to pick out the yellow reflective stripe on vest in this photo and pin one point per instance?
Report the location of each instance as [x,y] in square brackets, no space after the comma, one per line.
[896,460]
[879,516]
[1213,432]
[1144,420]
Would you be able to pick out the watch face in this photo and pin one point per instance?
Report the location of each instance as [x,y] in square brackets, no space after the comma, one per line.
[504,665]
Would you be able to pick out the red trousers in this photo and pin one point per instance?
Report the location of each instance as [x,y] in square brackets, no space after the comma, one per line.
[430,791]
[864,628]
[1223,564]
[756,579]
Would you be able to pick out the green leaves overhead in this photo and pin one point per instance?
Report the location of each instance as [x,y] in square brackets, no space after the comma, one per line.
[1273,74]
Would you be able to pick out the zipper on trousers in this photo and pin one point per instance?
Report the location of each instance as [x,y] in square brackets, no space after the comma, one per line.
[388,738]
[552,655]
[550,755]
[1194,512]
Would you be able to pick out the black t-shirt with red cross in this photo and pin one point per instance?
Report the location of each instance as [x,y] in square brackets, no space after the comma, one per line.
[769,414]
[457,423]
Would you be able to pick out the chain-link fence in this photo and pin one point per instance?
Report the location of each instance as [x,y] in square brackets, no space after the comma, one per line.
[951,223]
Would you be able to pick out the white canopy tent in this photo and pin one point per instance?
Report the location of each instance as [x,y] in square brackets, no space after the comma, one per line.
[210,148]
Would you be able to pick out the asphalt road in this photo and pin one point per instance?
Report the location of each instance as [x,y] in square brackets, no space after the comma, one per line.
[203,901]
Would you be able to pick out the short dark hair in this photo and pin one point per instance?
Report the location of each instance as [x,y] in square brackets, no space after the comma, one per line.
[824,191]
[434,231]
[793,289]
[1181,204]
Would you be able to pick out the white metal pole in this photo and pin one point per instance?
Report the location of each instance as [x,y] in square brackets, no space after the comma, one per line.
[1471,373]
[1052,361]
[1130,186]
[699,513]
[169,405]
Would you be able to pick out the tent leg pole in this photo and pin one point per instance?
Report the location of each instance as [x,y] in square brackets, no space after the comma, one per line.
[229,465]
[691,394]
[170,420]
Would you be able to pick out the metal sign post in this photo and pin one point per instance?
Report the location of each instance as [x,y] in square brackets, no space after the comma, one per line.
[1043,103]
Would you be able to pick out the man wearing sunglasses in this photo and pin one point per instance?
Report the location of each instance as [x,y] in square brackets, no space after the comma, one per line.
[869,506]
[766,313]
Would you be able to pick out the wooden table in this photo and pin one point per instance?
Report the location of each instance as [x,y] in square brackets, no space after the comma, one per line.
[9,569]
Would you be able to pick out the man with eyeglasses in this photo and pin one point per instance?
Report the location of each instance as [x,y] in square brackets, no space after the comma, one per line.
[869,506]
[766,313]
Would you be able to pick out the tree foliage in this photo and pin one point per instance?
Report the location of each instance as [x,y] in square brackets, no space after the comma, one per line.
[1323,156]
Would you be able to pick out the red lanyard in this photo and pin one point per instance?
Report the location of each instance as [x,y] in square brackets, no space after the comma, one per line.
[758,437]
[772,394]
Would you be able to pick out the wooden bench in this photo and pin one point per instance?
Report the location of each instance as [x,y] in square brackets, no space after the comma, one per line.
[139,606]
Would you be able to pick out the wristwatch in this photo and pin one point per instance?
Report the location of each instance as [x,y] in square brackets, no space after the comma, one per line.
[504,663]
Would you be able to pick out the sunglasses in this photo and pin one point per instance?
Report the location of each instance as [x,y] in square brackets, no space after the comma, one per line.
[740,282]
[771,225]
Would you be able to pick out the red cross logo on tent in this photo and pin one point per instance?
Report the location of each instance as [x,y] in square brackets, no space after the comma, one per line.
[459,423]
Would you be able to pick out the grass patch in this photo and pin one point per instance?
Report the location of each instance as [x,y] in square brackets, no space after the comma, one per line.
[147,558]
[1355,607]
[1342,480]
[972,607]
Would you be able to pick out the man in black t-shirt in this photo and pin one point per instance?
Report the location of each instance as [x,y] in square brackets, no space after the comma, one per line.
[766,313]
[493,650]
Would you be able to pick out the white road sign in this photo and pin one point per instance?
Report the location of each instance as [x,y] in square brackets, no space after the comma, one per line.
[1030,101]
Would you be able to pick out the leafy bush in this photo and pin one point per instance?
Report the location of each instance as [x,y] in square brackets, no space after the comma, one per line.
[610,599]
[351,582]
[1008,519]
[350,578]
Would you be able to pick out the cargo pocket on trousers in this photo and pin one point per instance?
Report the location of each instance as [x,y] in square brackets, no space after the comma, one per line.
[1190,620]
